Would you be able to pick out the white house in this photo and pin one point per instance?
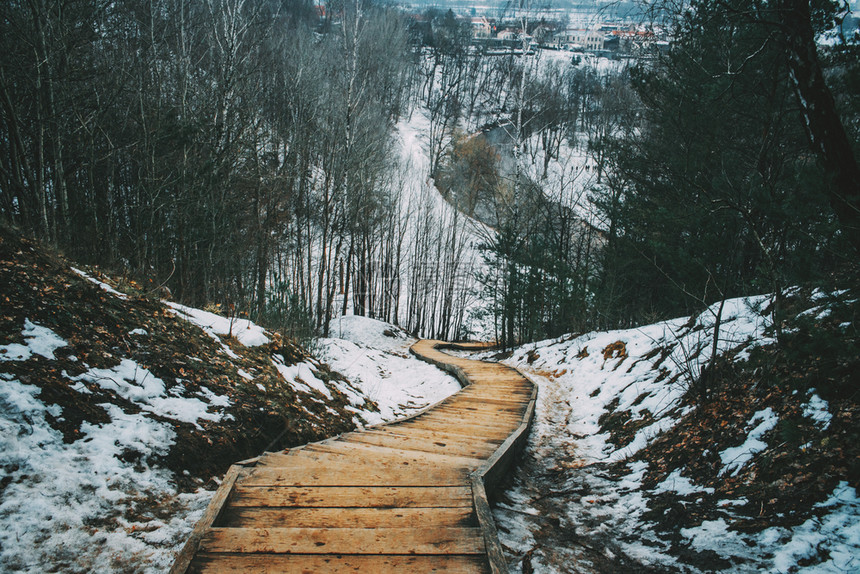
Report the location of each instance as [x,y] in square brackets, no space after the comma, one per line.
[590,40]
[482,27]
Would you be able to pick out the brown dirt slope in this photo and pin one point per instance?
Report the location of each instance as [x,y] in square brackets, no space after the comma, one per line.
[39,286]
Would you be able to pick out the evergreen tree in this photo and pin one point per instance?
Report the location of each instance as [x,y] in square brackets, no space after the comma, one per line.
[718,195]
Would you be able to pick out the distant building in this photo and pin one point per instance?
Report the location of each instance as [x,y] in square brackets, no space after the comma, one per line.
[482,27]
[611,43]
[590,40]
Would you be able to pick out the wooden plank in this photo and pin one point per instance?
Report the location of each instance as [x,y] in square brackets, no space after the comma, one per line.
[422,445]
[483,403]
[502,402]
[457,418]
[356,474]
[318,456]
[183,559]
[495,556]
[442,436]
[469,423]
[446,434]
[438,540]
[352,496]
[383,452]
[472,406]
[332,564]
[237,517]
[502,398]
[490,400]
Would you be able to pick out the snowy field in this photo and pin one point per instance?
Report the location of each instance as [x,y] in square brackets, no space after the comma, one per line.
[66,505]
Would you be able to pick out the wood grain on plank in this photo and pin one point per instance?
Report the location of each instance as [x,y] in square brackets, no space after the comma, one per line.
[243,517]
[393,452]
[337,564]
[422,445]
[352,497]
[356,474]
[433,540]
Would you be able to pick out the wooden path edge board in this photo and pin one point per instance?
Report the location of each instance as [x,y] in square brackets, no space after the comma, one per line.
[484,479]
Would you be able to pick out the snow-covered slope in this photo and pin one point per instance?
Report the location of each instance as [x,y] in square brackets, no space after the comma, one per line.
[622,473]
[375,356]
[118,412]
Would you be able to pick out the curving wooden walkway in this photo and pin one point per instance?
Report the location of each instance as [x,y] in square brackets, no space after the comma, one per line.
[409,496]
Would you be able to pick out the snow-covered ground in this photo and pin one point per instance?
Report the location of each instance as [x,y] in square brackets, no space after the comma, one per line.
[66,505]
[375,357]
[566,513]
[98,501]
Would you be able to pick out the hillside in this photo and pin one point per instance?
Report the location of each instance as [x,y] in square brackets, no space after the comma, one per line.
[644,459]
[120,411]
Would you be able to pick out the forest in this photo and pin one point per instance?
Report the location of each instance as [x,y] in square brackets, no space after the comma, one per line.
[248,154]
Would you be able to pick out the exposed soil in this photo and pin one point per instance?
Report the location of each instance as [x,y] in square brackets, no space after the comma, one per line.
[565,513]
[265,412]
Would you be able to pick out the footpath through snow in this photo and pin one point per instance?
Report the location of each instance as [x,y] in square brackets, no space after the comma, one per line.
[114,408]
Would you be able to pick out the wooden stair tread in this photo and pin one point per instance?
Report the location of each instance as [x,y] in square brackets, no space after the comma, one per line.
[436,540]
[421,444]
[235,517]
[435,436]
[355,474]
[394,452]
[336,564]
[352,496]
[446,434]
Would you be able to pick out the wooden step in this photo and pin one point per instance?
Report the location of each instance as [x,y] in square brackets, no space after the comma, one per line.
[468,424]
[342,447]
[355,474]
[243,517]
[352,496]
[437,436]
[418,444]
[343,564]
[436,540]
[446,434]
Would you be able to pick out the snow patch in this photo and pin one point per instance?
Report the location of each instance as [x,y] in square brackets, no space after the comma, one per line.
[680,485]
[101,284]
[246,332]
[817,410]
[138,385]
[39,341]
[73,507]
[301,377]
[734,458]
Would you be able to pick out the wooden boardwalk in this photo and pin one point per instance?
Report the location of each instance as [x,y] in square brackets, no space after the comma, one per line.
[409,496]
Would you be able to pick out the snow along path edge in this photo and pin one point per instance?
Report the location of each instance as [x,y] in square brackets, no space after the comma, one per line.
[487,476]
